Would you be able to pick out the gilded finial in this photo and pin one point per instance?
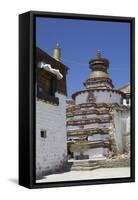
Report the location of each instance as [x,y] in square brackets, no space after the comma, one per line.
[57,52]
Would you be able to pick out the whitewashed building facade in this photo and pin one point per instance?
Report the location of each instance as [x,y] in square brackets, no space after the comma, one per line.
[51,139]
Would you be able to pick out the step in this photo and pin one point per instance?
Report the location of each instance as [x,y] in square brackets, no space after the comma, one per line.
[84,164]
[79,168]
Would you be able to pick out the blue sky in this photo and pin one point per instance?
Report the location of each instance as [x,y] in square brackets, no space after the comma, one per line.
[79,41]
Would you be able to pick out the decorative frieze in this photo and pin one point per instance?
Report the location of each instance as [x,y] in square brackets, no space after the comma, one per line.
[98,90]
[94,144]
[88,131]
[87,112]
[95,105]
[73,122]
[99,82]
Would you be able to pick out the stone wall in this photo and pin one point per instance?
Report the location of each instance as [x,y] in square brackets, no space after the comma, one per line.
[112,163]
[94,152]
[96,125]
[121,124]
[51,151]
[90,116]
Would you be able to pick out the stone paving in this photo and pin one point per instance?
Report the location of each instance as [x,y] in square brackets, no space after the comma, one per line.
[101,173]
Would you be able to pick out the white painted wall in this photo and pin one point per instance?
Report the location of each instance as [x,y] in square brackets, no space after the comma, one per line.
[51,151]
[120,122]
[95,152]
[98,137]
[125,102]
[128,125]
[126,136]
[101,96]
[81,98]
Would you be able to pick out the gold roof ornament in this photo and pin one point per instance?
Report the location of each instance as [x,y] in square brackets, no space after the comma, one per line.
[99,66]
[99,74]
[57,52]
[99,77]
[99,60]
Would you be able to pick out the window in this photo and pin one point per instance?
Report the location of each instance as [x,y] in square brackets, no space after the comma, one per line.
[48,86]
[43,133]
[127,101]
[46,91]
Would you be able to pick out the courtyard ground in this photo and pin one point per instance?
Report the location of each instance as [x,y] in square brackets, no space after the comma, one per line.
[101,173]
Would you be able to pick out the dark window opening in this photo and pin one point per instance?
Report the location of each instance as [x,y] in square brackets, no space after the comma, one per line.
[43,133]
[46,90]
[127,101]
[48,86]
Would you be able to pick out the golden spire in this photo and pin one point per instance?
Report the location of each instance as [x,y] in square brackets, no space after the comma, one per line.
[99,66]
[99,77]
[57,52]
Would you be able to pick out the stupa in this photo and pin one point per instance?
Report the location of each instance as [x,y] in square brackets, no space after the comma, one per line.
[97,123]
